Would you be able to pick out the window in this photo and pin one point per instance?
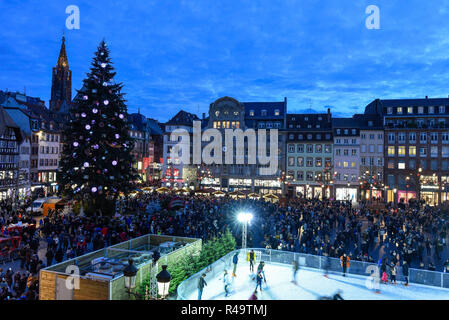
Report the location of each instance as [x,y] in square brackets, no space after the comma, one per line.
[442,109]
[318,148]
[291,161]
[363,161]
[328,148]
[353,164]
[338,131]
[300,137]
[310,148]
[431,110]
[363,148]
[391,138]
[291,148]
[371,136]
[318,162]
[309,136]
[389,110]
[401,165]
[423,152]
[401,137]
[445,152]
[309,176]
[309,162]
[354,131]
[401,151]
[423,137]
[412,151]
[276,112]
[399,110]
[390,164]
[434,137]
[263,113]
[412,137]
[346,131]
[291,136]
[445,137]
[337,152]
[346,152]
[300,148]
[434,152]
[338,164]
[409,110]
[251,113]
[300,175]
[420,110]
[372,148]
[434,165]
[300,161]
[345,164]
[412,164]
[391,151]
[354,152]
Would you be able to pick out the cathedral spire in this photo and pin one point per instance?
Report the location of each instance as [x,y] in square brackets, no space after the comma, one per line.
[62,59]
[61,85]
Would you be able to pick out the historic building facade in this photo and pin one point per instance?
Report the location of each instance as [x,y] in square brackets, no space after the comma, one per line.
[346,159]
[228,113]
[416,148]
[61,82]
[176,173]
[371,167]
[309,155]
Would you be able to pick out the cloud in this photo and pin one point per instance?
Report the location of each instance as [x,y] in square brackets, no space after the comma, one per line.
[185,54]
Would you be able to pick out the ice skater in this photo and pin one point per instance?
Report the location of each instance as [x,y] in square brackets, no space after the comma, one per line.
[252,257]
[260,270]
[235,260]
[201,284]
[226,283]
[259,279]
[405,272]
[344,263]
[295,270]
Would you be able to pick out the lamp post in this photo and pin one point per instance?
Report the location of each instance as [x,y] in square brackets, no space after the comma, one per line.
[130,273]
[244,218]
[163,282]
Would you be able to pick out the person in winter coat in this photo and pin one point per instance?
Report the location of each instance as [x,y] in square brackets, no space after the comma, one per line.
[259,279]
[201,284]
[235,260]
[344,260]
[252,258]
[260,270]
[405,272]
[226,283]
[384,277]
[253,296]
[393,270]
[295,270]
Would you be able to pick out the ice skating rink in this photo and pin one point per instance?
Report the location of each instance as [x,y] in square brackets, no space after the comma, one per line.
[311,284]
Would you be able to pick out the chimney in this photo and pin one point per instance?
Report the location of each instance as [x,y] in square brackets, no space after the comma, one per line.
[204,115]
[328,114]
[427,97]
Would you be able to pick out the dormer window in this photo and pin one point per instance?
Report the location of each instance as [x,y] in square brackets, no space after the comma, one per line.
[306,118]
[410,110]
[399,110]
[263,113]
[442,109]
[251,113]
[276,112]
[431,110]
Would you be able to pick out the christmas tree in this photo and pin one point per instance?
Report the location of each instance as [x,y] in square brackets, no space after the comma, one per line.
[96,163]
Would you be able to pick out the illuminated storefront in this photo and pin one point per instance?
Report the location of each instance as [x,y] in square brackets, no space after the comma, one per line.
[429,189]
[346,194]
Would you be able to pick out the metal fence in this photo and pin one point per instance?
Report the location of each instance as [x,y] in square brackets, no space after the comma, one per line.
[189,287]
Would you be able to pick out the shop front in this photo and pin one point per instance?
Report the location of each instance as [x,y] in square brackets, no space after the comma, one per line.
[430,195]
[267,186]
[404,196]
[346,194]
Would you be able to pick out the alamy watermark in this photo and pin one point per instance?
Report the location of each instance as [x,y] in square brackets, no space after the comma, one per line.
[213,151]
[73,20]
[373,20]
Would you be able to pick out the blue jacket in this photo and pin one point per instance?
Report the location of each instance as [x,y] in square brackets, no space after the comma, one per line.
[235,259]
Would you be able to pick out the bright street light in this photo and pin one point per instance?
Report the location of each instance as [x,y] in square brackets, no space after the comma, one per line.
[244,218]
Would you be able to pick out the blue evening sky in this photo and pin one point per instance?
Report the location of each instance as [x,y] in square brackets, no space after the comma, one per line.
[184,54]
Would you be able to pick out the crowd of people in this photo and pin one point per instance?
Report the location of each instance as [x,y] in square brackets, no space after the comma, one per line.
[389,236]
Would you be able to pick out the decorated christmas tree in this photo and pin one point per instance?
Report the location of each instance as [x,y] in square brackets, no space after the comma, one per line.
[96,164]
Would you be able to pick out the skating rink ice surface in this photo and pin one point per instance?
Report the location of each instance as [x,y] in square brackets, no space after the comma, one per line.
[311,284]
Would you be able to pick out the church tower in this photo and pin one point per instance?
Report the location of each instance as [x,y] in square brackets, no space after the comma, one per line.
[61,84]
